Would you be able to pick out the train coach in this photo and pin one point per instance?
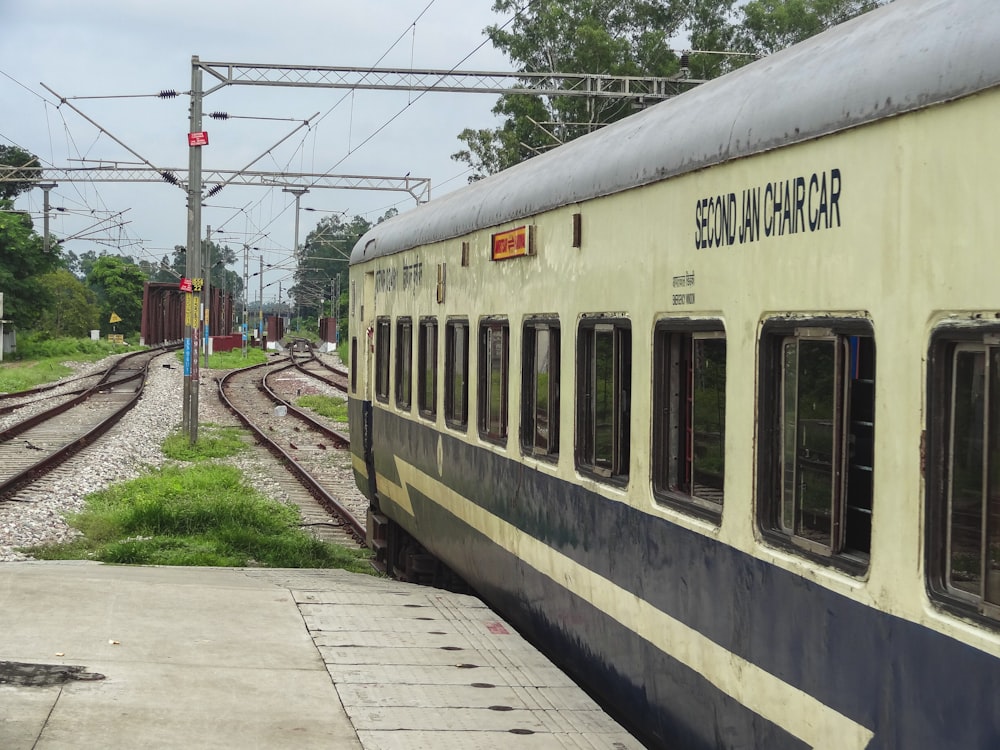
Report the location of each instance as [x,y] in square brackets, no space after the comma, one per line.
[707,403]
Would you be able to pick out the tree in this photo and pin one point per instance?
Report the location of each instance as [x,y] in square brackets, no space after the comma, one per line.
[614,37]
[22,261]
[626,38]
[159,272]
[325,256]
[712,26]
[771,25]
[118,284]
[73,308]
[12,156]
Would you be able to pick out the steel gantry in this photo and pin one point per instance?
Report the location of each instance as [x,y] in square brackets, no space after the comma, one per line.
[214,179]
[652,88]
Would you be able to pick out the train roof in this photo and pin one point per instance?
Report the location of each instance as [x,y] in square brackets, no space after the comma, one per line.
[901,57]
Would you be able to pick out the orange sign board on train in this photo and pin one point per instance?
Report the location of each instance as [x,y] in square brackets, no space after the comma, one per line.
[512,243]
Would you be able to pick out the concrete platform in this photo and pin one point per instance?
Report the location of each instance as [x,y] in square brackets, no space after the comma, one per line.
[257,658]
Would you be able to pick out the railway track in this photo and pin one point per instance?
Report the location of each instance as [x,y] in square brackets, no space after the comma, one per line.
[312,449]
[308,363]
[34,445]
[16,403]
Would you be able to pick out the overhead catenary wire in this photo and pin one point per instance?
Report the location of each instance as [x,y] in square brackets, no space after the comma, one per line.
[258,219]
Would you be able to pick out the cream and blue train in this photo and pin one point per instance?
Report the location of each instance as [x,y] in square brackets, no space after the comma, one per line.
[707,403]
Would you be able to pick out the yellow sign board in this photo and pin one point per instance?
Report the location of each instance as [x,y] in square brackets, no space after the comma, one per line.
[115,318]
[512,244]
[116,338]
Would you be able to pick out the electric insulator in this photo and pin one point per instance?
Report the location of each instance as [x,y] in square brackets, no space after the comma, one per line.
[169,177]
[685,61]
[167,94]
[219,115]
[215,189]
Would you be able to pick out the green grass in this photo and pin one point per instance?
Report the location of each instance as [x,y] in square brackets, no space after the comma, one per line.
[20,376]
[40,361]
[231,360]
[204,514]
[213,441]
[32,346]
[327,406]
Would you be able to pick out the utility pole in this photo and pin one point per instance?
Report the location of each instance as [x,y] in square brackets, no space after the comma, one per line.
[46,187]
[260,309]
[298,193]
[207,296]
[193,265]
[246,292]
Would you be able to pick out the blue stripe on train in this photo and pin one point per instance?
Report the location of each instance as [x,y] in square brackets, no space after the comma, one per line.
[914,687]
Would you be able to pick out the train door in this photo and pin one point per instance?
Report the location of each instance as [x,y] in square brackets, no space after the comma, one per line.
[368,343]
[363,356]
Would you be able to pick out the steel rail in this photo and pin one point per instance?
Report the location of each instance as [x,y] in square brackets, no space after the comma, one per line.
[356,526]
[82,440]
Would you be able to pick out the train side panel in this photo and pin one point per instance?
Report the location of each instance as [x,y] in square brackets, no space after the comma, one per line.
[699,629]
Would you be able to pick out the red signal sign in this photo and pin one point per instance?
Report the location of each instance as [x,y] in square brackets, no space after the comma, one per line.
[198,139]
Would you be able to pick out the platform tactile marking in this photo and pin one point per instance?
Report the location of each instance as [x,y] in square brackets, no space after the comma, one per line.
[416,667]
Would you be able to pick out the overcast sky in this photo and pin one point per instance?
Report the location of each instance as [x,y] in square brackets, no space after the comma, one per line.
[123,51]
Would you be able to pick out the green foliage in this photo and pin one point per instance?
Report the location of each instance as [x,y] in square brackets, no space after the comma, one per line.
[771,25]
[80,265]
[612,37]
[12,156]
[40,360]
[518,139]
[118,284]
[626,38]
[327,406]
[218,257]
[19,376]
[213,441]
[22,261]
[201,515]
[232,360]
[36,345]
[73,310]
[322,259]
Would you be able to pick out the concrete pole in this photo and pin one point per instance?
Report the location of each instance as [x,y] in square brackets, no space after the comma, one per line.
[46,239]
[207,297]
[246,293]
[193,266]
[260,309]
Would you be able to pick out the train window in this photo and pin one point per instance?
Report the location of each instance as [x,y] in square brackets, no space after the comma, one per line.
[540,389]
[382,359]
[689,415]
[404,363]
[456,373]
[963,477]
[494,345]
[427,369]
[354,364]
[817,430]
[603,398]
